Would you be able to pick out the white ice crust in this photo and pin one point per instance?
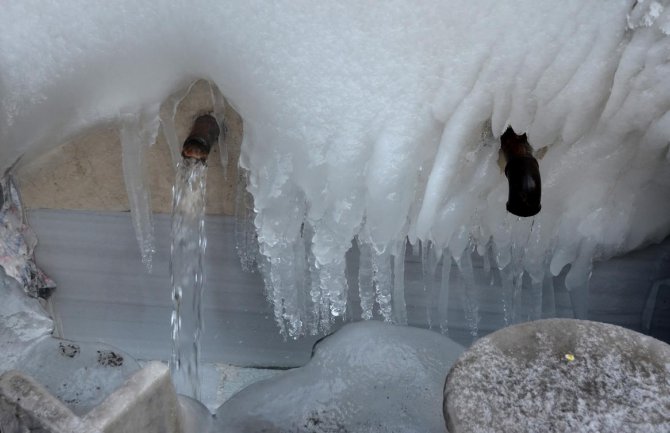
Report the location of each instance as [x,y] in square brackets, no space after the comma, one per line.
[373,119]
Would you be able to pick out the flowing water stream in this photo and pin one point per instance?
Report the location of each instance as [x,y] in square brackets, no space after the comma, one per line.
[186,274]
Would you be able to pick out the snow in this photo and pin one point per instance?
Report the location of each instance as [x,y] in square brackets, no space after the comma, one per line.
[81,375]
[367,377]
[561,375]
[376,122]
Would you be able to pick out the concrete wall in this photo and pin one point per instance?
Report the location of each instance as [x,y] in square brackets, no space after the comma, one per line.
[86,174]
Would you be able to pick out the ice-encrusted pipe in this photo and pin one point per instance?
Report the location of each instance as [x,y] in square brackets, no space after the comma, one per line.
[204,134]
[523,175]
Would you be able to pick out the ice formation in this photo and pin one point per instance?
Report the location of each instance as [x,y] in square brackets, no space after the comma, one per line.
[376,122]
[367,377]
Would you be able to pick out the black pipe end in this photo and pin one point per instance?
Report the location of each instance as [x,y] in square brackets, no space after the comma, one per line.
[204,134]
[525,186]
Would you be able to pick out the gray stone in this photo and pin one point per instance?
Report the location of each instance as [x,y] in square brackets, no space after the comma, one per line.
[560,375]
[25,406]
[145,403]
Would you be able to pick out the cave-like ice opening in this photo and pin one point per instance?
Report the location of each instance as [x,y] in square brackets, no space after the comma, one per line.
[374,122]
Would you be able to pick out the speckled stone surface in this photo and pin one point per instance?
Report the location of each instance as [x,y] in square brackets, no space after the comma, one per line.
[560,375]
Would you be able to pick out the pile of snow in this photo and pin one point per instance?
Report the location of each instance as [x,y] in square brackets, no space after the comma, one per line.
[367,377]
[375,121]
[560,375]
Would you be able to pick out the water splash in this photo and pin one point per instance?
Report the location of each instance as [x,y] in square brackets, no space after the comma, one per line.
[187,274]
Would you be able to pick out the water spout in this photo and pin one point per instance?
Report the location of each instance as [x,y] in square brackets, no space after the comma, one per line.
[204,134]
[523,175]
[187,256]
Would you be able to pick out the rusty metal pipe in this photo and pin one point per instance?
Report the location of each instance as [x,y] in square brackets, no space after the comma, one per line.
[204,134]
[523,175]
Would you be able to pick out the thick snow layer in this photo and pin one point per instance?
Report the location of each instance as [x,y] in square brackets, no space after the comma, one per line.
[367,377]
[559,376]
[378,120]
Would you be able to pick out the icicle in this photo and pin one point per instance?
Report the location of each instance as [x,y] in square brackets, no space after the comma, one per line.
[167,117]
[416,249]
[219,113]
[302,284]
[577,279]
[310,311]
[245,231]
[399,305]
[138,131]
[428,267]
[443,301]
[548,296]
[486,261]
[471,293]
[285,274]
[365,282]
[320,307]
[334,286]
[536,287]
[383,278]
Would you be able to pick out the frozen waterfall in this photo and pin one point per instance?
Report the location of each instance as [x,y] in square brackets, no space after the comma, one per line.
[376,124]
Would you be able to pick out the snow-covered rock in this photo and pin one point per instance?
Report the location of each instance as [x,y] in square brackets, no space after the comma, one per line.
[367,377]
[560,375]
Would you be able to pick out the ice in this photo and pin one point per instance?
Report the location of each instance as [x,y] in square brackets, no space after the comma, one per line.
[18,242]
[23,322]
[367,377]
[219,108]
[383,280]
[365,282]
[399,304]
[138,131]
[167,116]
[377,122]
[443,301]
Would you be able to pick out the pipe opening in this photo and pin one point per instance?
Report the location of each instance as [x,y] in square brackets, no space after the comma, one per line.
[523,175]
[204,134]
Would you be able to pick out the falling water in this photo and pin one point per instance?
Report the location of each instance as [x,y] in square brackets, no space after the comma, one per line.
[186,273]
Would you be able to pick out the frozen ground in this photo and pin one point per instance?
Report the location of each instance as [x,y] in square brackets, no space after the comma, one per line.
[375,122]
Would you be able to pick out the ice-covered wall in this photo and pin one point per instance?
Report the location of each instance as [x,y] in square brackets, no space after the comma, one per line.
[374,120]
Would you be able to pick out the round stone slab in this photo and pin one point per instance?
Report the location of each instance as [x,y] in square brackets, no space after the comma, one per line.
[560,375]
